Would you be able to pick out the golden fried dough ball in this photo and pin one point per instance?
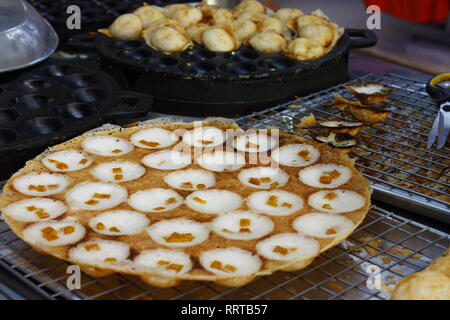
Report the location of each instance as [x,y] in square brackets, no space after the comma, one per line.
[424,285]
[318,32]
[220,39]
[171,8]
[268,41]
[300,22]
[166,39]
[244,29]
[195,32]
[304,49]
[126,27]
[270,24]
[250,6]
[149,14]
[286,14]
[252,16]
[187,16]
[222,16]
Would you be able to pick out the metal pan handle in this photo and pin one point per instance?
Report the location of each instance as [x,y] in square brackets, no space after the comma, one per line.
[130,105]
[361,38]
[82,41]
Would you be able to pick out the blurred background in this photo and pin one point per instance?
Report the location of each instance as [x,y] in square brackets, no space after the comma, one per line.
[414,33]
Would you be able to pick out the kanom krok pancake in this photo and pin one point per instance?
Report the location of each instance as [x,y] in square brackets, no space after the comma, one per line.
[186,201]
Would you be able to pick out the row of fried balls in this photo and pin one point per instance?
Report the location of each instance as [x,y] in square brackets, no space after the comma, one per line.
[176,27]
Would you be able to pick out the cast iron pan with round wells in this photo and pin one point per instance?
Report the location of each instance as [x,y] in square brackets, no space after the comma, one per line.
[199,82]
[53,102]
[95,14]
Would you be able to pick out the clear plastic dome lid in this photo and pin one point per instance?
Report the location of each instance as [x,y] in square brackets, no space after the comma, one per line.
[25,36]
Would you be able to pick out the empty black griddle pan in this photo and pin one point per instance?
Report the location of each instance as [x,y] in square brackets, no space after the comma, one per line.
[201,82]
[56,101]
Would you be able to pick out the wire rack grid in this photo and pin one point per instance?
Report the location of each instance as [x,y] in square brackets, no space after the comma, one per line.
[393,153]
[385,244]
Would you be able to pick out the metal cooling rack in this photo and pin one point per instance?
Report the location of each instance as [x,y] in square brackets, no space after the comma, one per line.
[395,246]
[392,154]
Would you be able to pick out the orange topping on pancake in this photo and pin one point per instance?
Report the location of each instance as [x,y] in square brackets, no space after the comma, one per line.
[117,170]
[171,200]
[42,214]
[254,181]
[68,229]
[179,237]
[159,208]
[150,144]
[331,231]
[118,177]
[201,186]
[83,161]
[286,205]
[114,229]
[52,186]
[245,230]
[327,206]
[58,164]
[102,195]
[216,265]
[31,208]
[187,184]
[91,247]
[272,201]
[330,196]
[281,250]
[49,233]
[326,179]
[265,179]
[110,260]
[230,268]
[245,222]
[174,266]
[117,151]
[304,154]
[250,145]
[205,141]
[274,184]
[91,202]
[200,200]
[100,226]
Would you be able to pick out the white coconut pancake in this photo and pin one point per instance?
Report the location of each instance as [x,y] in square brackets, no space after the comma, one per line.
[221,161]
[119,222]
[96,196]
[66,161]
[230,261]
[167,160]
[176,233]
[99,250]
[155,200]
[204,137]
[190,179]
[276,202]
[322,225]
[118,171]
[35,209]
[288,247]
[255,142]
[154,138]
[213,201]
[263,177]
[38,184]
[336,201]
[54,233]
[296,155]
[327,175]
[106,146]
[165,261]
[241,225]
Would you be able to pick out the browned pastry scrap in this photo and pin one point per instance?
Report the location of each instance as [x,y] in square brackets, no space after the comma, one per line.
[372,113]
[368,93]
[170,201]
